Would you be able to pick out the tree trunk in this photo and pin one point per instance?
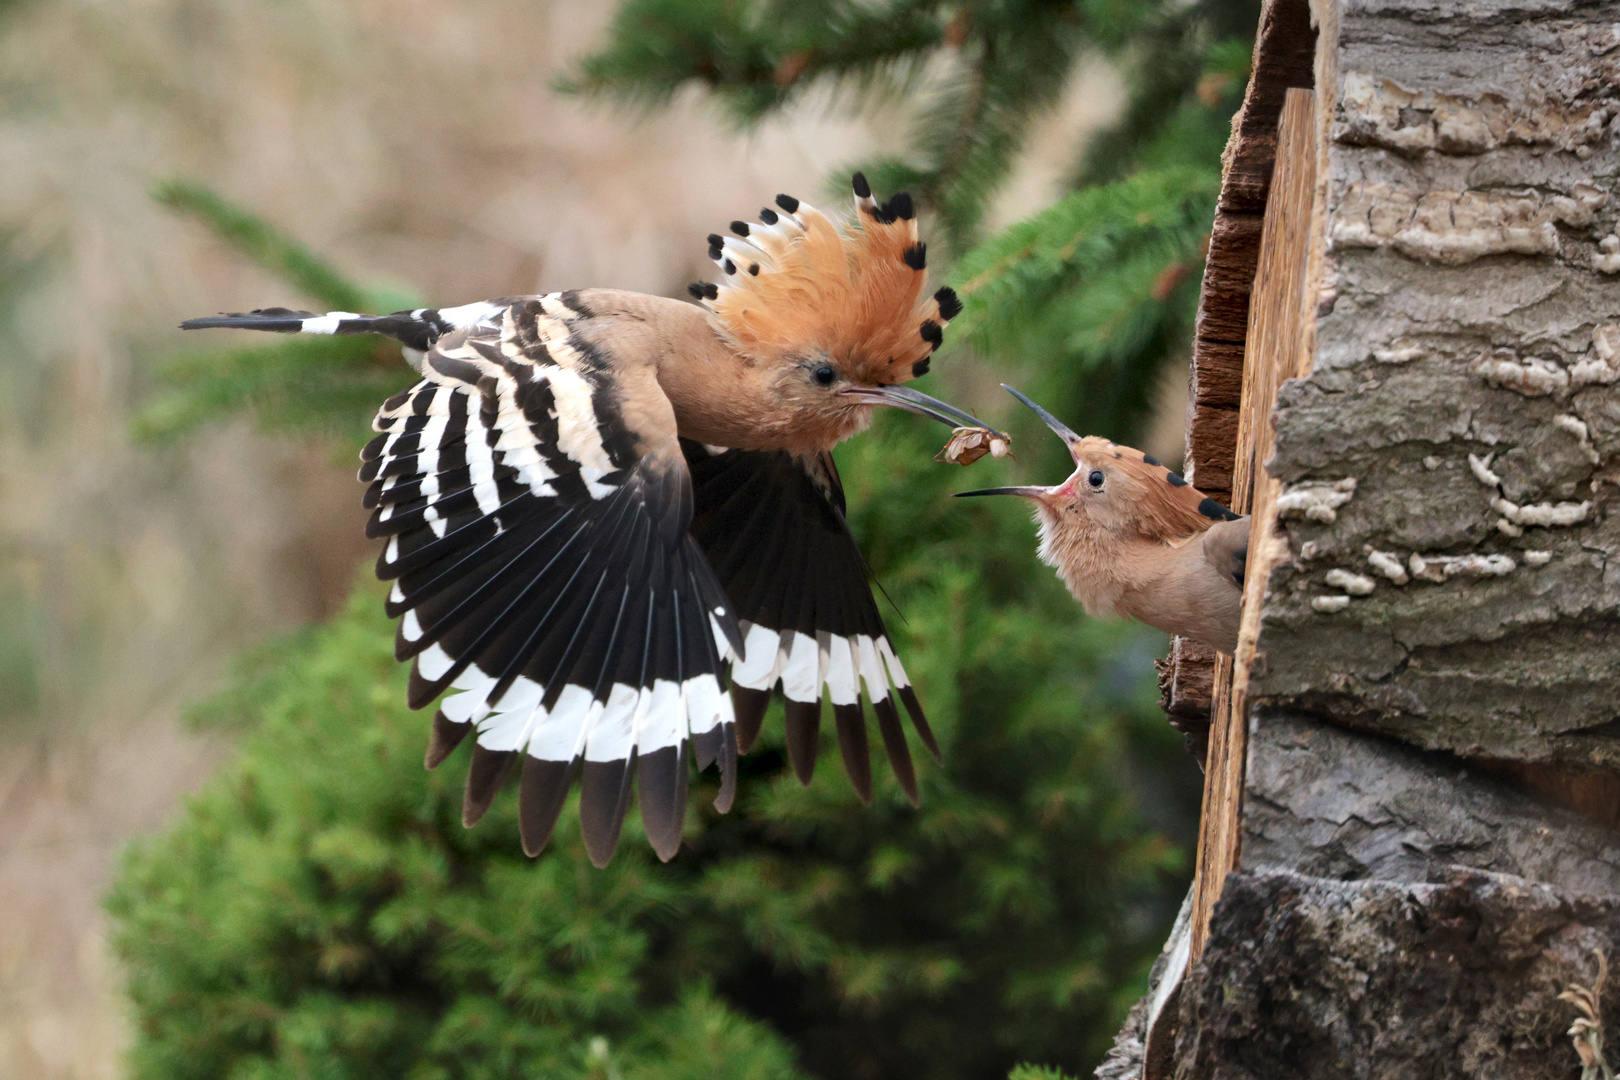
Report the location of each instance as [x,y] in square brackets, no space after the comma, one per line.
[1409,846]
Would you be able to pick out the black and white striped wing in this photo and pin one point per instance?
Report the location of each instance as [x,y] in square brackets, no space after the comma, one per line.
[544,573]
[773,526]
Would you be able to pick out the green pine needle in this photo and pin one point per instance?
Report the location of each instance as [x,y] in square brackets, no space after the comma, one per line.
[1037,1072]
[1101,286]
[263,244]
[312,386]
[757,57]
[308,385]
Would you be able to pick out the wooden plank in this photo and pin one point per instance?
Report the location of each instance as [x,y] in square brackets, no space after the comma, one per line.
[1219,384]
[1214,436]
[1186,691]
[1283,57]
[1284,54]
[1223,308]
[1192,692]
[1277,349]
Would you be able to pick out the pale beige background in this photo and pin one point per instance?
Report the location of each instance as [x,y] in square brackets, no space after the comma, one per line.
[415,143]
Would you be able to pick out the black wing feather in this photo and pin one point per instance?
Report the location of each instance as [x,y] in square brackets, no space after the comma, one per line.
[543,573]
[773,526]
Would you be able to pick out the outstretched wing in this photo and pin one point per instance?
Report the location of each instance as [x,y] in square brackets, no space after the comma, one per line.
[773,526]
[543,571]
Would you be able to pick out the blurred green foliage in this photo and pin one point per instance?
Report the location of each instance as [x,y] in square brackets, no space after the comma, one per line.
[20,648]
[305,386]
[974,75]
[321,912]
[278,253]
[1106,278]
[22,622]
[1036,1072]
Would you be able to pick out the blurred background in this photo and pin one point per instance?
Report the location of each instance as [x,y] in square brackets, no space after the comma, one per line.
[179,525]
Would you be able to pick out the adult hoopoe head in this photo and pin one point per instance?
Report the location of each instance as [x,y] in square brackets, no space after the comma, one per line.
[826,323]
[1129,537]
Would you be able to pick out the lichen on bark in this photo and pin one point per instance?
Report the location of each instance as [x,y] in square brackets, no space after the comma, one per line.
[1464,318]
[1429,851]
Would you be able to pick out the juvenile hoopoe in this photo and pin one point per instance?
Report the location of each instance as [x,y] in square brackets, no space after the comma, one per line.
[598,504]
[1129,537]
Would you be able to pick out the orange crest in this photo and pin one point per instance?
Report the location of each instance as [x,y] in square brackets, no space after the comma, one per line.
[796,282]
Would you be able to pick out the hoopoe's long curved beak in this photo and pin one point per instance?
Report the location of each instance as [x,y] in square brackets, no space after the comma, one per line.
[1059,428]
[1026,492]
[903,397]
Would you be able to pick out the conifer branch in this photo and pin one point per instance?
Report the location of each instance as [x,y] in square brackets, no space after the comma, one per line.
[265,245]
[313,385]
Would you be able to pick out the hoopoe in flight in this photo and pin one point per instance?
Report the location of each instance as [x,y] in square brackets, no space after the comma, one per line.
[599,504]
[1129,537]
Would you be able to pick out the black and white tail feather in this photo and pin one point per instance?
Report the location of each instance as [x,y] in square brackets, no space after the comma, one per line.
[417,330]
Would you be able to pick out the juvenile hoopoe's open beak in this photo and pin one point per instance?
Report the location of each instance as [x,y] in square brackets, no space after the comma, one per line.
[903,397]
[1026,492]
[1058,427]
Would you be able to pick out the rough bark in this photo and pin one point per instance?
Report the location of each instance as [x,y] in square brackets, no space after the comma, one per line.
[1429,847]
[1186,688]
[1464,394]
[1344,805]
[1380,979]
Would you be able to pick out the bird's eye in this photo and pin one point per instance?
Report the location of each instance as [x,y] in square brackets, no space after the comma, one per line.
[824,375]
[1096,478]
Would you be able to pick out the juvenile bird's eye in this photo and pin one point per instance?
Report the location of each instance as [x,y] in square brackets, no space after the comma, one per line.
[1096,478]
[824,375]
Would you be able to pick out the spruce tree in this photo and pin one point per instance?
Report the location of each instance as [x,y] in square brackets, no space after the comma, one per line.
[320,910]
[316,387]
[1091,297]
